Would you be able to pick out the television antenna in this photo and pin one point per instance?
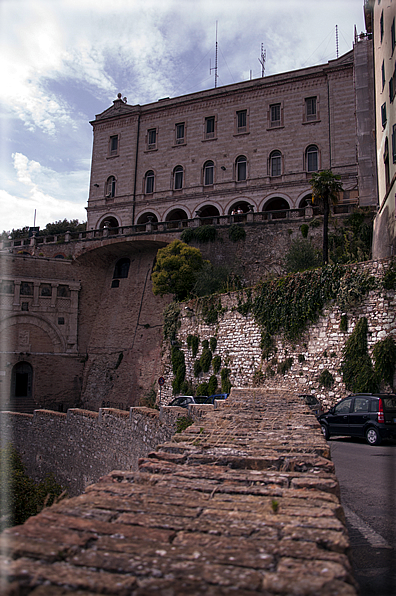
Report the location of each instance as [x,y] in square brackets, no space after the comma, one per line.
[262,59]
[215,66]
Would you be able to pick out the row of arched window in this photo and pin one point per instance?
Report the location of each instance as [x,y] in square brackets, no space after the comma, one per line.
[275,168]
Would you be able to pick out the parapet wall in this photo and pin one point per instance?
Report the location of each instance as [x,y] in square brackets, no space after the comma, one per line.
[81,446]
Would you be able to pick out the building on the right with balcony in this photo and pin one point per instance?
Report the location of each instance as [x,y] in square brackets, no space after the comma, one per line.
[380,18]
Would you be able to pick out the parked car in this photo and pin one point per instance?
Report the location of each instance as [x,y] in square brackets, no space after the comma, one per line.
[183,401]
[211,398]
[313,403]
[369,415]
[200,399]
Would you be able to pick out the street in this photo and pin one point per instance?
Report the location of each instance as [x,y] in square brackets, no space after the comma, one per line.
[367,477]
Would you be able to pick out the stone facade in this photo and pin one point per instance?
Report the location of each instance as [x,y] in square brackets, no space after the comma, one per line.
[252,145]
[380,20]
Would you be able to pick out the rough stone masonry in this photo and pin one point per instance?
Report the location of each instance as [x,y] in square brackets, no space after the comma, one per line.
[244,501]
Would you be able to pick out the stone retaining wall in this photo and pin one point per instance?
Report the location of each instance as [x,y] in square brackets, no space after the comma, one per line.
[321,347]
[245,502]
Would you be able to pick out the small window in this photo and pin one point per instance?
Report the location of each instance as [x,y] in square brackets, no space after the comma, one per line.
[114,145]
[63,292]
[25,306]
[241,116]
[178,178]
[310,108]
[241,168]
[382,26]
[121,269]
[391,90]
[383,115]
[386,163]
[210,127]
[110,187]
[61,321]
[7,287]
[180,131]
[276,163]
[46,290]
[149,182]
[115,283]
[208,173]
[393,35]
[26,288]
[383,75]
[152,138]
[275,114]
[394,143]
[312,160]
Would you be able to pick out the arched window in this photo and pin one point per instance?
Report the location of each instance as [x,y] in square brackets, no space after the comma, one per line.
[241,168]
[178,178]
[149,182]
[121,268]
[276,163]
[312,158]
[208,173]
[110,187]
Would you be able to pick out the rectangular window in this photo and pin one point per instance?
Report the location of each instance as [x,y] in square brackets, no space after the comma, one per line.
[209,168]
[180,133]
[152,138]
[114,145]
[391,90]
[394,143]
[383,115]
[275,114]
[210,127]
[382,26]
[383,75]
[276,165]
[393,35]
[241,121]
[310,108]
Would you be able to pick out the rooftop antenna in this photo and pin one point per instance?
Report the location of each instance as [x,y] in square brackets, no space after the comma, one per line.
[262,59]
[337,41]
[215,66]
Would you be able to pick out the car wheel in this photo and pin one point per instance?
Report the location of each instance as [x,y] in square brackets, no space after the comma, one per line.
[325,431]
[373,436]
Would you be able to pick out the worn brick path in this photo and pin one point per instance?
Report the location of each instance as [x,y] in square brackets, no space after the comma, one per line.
[244,501]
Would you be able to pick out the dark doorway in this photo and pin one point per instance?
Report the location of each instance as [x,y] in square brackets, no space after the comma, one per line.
[22,388]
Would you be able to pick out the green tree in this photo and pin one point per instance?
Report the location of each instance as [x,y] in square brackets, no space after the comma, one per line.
[175,268]
[60,227]
[301,256]
[357,369]
[325,188]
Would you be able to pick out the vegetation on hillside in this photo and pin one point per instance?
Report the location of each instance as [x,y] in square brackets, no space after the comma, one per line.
[55,228]
[21,497]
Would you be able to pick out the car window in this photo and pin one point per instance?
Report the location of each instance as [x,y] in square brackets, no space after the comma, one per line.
[390,404]
[310,400]
[361,404]
[343,407]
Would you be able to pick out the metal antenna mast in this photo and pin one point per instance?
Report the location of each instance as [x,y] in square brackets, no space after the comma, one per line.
[262,59]
[215,66]
[337,40]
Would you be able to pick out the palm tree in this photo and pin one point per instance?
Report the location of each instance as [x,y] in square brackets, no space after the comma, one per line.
[325,188]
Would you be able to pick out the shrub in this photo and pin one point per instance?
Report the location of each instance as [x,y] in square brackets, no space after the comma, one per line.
[304,230]
[178,367]
[326,379]
[284,366]
[384,354]
[202,389]
[183,422]
[216,364]
[206,359]
[225,380]
[344,323]
[357,369]
[212,385]
[213,344]
[301,256]
[201,234]
[236,232]
[193,344]
[197,368]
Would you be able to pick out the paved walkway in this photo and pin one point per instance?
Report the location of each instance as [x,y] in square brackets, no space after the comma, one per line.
[244,501]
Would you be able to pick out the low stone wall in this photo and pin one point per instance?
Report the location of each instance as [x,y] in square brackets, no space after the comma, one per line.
[321,347]
[245,501]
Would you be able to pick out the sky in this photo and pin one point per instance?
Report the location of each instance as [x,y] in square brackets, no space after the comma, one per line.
[64,61]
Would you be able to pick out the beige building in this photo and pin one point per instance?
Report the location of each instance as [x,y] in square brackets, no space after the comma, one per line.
[251,146]
[380,23]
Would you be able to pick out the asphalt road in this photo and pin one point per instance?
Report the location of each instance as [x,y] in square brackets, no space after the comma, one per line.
[367,477]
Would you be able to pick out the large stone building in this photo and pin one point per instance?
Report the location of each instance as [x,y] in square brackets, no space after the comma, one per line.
[79,323]
[380,23]
[252,145]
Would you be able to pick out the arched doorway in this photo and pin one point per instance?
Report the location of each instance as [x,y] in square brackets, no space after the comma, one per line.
[177,218]
[146,218]
[208,213]
[110,223]
[22,388]
[239,210]
[278,206]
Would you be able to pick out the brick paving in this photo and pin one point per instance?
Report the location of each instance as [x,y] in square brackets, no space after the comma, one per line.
[244,501]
